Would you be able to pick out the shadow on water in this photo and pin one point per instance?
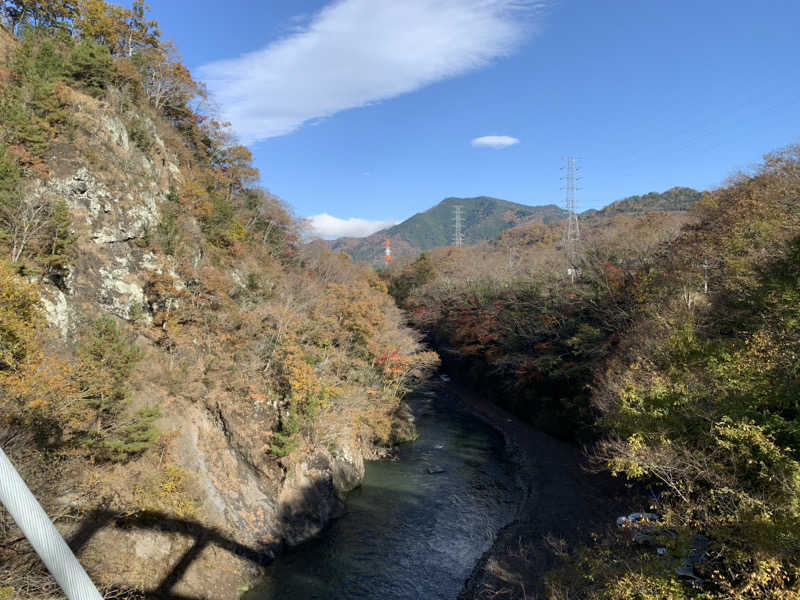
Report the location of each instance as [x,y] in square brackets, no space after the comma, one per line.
[417,525]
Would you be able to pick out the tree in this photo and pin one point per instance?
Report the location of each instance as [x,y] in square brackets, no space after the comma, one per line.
[167,83]
[412,277]
[58,236]
[21,218]
[237,167]
[101,22]
[91,66]
[32,223]
[123,31]
[139,32]
[39,13]
[106,358]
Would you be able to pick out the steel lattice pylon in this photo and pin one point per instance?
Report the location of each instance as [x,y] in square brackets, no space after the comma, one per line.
[573,229]
[458,237]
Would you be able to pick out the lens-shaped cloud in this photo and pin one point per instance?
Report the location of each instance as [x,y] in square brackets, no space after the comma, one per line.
[356,52]
[494,141]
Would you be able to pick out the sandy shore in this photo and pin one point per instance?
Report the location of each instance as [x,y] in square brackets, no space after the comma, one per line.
[561,502]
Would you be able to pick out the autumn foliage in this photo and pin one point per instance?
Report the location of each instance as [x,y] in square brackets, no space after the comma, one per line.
[675,356]
[239,310]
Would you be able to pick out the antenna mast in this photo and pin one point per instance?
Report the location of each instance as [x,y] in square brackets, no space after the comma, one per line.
[388,251]
[458,238]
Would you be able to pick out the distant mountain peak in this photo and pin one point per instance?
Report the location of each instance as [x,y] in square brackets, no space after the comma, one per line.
[483,218]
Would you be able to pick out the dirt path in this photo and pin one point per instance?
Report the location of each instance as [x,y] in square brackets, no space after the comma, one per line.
[562,502]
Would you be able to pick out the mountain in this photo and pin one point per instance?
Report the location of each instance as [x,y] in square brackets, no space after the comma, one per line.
[674,199]
[483,218]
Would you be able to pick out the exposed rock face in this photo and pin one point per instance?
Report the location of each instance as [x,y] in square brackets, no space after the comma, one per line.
[348,467]
[309,500]
[58,312]
[403,427]
[112,270]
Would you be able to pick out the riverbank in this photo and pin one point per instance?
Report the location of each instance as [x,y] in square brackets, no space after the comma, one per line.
[562,505]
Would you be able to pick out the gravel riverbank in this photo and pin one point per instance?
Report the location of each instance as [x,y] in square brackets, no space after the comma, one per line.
[561,502]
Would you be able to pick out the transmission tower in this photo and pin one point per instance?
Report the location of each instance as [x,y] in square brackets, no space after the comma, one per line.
[571,186]
[573,234]
[458,238]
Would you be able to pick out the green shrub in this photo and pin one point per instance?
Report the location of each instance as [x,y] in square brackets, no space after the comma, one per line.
[106,359]
[221,227]
[136,436]
[110,356]
[169,233]
[10,176]
[91,66]
[19,126]
[140,134]
[56,254]
[283,442]
[33,109]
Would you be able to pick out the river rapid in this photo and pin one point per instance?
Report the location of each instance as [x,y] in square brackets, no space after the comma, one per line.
[418,524]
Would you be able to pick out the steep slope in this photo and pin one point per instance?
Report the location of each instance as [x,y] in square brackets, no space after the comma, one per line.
[185,389]
[482,218]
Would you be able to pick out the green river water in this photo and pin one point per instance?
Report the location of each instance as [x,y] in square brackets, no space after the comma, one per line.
[409,533]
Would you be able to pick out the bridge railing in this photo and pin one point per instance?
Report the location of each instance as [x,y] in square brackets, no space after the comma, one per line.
[43,535]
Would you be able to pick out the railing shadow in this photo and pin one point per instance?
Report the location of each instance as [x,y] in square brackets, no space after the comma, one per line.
[203,536]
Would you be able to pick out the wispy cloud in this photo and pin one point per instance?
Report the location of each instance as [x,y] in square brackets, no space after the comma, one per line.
[494,141]
[329,227]
[356,52]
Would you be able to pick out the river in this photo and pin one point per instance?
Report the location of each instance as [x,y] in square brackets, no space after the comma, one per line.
[417,525]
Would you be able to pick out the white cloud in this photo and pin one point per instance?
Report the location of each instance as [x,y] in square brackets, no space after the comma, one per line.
[355,52]
[494,141]
[329,227]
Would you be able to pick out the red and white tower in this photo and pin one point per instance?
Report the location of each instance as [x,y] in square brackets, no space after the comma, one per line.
[388,251]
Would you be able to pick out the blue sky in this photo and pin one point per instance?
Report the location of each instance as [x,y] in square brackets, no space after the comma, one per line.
[367,109]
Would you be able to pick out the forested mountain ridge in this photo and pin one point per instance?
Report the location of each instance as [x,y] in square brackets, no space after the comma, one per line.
[488,219]
[674,199]
[185,388]
[482,218]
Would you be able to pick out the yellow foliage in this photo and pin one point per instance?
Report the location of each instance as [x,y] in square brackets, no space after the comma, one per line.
[19,317]
[168,492]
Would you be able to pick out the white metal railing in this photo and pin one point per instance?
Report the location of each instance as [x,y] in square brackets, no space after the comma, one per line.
[42,534]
